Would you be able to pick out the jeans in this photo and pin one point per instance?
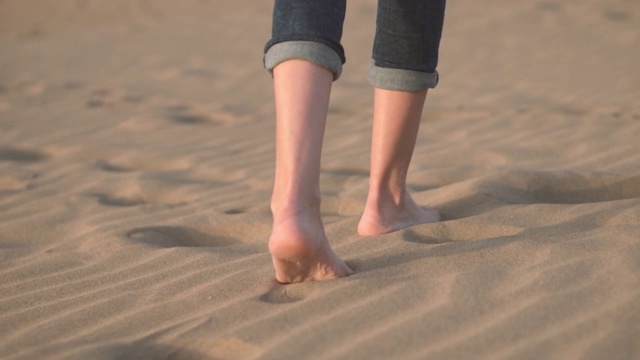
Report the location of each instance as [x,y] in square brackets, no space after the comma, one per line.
[405,47]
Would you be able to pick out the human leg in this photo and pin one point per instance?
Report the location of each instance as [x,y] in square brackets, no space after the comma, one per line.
[405,57]
[389,206]
[299,247]
[303,71]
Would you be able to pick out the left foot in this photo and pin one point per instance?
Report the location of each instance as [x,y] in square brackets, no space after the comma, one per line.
[301,252]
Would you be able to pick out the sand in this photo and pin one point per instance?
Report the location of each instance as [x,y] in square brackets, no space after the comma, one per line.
[136,164]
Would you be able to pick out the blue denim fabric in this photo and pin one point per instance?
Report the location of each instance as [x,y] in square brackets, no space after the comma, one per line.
[405,48]
[408,34]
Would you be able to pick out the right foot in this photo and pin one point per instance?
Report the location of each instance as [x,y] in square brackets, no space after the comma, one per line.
[300,252]
[385,217]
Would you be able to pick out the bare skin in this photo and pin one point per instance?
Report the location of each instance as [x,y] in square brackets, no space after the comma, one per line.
[389,206]
[299,247]
[298,244]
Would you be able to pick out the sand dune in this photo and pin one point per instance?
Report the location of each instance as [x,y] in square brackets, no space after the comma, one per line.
[136,160]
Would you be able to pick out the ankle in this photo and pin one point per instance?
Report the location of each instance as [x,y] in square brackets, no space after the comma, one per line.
[387,194]
[296,231]
[295,206]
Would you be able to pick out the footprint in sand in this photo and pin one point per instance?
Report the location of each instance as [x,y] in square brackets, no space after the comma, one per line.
[533,187]
[140,180]
[446,232]
[120,201]
[478,196]
[144,163]
[199,73]
[234,211]
[187,346]
[549,6]
[148,192]
[617,15]
[111,166]
[21,155]
[184,114]
[178,236]
[192,119]
[283,294]
[191,115]
[112,97]
[411,235]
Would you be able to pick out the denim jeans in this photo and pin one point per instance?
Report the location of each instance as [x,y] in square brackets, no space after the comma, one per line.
[405,47]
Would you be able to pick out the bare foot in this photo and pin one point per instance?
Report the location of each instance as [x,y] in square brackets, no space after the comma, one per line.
[381,217]
[300,251]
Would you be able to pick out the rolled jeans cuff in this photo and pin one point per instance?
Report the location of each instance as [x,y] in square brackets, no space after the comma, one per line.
[311,51]
[401,79]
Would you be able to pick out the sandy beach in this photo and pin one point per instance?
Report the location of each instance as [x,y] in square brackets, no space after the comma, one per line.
[136,167]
